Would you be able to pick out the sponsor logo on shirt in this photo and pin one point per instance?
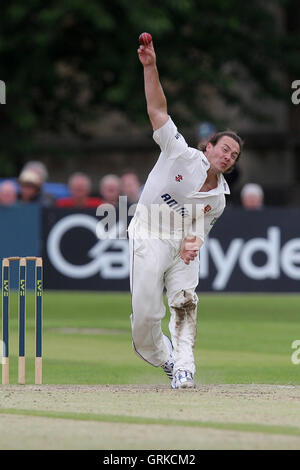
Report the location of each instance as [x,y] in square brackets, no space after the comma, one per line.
[207,209]
[205,162]
[174,205]
[177,136]
[214,221]
[179,178]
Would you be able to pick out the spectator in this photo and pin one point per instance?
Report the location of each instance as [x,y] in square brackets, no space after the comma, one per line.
[30,189]
[130,187]
[38,167]
[252,197]
[57,190]
[8,194]
[80,187]
[110,189]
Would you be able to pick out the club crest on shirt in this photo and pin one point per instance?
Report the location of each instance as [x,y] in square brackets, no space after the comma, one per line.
[179,178]
[207,209]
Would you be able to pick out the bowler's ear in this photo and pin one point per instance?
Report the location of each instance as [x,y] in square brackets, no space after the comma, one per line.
[209,146]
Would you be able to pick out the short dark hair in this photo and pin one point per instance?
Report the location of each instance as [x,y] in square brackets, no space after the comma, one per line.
[214,139]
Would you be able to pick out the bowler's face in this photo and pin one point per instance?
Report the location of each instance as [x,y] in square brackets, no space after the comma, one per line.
[224,154]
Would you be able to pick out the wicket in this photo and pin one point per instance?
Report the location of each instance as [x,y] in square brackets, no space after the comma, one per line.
[22,317]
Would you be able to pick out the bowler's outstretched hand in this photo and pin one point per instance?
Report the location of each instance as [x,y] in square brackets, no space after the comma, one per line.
[147,55]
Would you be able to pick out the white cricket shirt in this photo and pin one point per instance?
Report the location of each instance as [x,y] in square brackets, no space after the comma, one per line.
[174,185]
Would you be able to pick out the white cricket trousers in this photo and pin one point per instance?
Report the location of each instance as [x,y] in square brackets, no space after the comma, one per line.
[155,264]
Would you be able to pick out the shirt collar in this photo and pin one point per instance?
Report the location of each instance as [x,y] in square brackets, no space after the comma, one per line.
[204,160]
[224,184]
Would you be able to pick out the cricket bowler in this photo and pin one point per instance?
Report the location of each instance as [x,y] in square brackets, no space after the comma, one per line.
[188,185]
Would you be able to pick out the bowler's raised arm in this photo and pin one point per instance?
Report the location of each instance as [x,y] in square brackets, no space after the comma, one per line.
[155,97]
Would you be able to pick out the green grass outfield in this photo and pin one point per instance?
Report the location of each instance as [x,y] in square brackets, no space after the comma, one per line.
[87,340]
[97,394]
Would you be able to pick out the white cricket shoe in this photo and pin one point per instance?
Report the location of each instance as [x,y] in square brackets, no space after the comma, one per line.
[183,379]
[169,365]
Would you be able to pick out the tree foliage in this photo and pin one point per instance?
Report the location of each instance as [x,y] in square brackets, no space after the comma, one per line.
[64,61]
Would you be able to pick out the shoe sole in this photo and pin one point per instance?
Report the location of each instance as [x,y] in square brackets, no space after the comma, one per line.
[184,385]
[187,385]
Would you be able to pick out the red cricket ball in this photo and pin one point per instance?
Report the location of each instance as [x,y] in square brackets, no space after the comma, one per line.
[145,39]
